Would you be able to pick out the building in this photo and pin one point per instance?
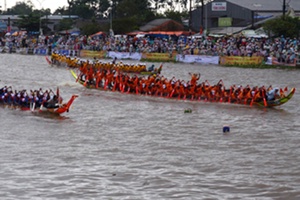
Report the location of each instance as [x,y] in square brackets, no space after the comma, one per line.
[12,19]
[230,16]
[162,25]
[3,26]
[53,20]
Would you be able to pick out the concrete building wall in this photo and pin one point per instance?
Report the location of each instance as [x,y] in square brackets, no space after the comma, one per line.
[243,12]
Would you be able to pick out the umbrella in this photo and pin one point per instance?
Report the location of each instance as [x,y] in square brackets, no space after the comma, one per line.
[98,34]
[75,33]
[15,33]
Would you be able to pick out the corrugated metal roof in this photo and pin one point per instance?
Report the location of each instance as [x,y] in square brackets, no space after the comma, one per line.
[12,17]
[154,23]
[266,5]
[3,26]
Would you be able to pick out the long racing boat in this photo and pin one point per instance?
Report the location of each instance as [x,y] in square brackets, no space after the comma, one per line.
[203,96]
[26,102]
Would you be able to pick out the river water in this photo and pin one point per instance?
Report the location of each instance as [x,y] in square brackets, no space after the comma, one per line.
[123,146]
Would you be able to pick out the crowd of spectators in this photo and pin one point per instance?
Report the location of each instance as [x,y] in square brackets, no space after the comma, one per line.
[284,49]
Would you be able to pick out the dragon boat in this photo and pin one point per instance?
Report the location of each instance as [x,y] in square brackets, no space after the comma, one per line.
[24,103]
[262,102]
[139,68]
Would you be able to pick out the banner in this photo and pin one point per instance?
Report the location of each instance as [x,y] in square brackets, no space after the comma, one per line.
[40,51]
[275,62]
[224,21]
[63,52]
[163,57]
[124,55]
[239,60]
[92,54]
[203,59]
[219,6]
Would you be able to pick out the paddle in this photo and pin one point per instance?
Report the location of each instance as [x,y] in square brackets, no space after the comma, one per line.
[252,100]
[32,105]
[47,59]
[171,95]
[230,93]
[264,98]
[77,77]
[86,80]
[57,92]
[105,84]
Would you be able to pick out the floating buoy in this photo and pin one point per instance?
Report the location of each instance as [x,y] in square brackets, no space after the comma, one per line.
[188,110]
[226,129]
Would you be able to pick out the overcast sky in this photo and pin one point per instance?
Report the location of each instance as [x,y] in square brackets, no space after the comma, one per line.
[52,4]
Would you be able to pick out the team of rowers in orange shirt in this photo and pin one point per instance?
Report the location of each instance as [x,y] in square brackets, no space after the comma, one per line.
[75,62]
[114,80]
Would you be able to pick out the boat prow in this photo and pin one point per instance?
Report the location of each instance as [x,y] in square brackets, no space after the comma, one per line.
[61,108]
[278,102]
[48,60]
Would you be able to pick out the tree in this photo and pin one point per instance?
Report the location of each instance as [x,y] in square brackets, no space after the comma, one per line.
[286,26]
[91,28]
[86,9]
[30,22]
[64,24]
[136,10]
[21,8]
[176,15]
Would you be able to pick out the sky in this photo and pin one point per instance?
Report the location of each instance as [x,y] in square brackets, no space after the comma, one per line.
[52,4]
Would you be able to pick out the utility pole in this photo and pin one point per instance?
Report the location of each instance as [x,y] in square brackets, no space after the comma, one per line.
[190,20]
[70,2]
[283,9]
[202,15]
[40,24]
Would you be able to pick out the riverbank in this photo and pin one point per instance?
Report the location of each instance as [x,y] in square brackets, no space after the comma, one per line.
[226,61]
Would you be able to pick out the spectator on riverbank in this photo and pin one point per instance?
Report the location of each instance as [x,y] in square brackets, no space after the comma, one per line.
[284,49]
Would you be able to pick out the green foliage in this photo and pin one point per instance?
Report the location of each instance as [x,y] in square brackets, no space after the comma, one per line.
[132,8]
[21,8]
[83,11]
[125,25]
[176,15]
[287,26]
[30,22]
[127,15]
[91,28]
[64,24]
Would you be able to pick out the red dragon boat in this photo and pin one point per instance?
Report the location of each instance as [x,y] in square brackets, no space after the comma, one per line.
[225,98]
[23,102]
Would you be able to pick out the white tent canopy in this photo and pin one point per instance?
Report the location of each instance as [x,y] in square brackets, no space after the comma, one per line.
[253,34]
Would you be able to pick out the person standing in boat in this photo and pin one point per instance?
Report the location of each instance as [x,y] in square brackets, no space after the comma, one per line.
[151,68]
[194,78]
[114,61]
[52,103]
[273,94]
